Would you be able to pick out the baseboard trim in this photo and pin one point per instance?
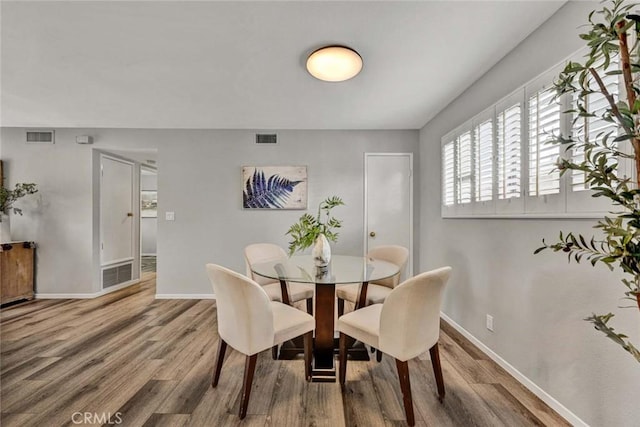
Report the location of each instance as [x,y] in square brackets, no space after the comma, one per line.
[519,376]
[185,296]
[87,296]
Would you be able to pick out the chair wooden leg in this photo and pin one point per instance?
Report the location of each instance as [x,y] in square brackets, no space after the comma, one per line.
[274,352]
[437,370]
[342,358]
[405,386]
[308,350]
[310,306]
[249,369]
[340,307]
[378,356]
[222,348]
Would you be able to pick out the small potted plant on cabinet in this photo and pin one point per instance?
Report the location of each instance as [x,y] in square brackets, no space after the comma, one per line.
[7,199]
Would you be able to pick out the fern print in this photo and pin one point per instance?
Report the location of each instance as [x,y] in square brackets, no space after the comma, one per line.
[264,191]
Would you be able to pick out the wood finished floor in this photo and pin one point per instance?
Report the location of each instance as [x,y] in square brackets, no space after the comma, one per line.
[151,361]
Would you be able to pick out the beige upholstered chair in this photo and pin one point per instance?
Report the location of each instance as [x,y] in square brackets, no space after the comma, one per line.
[376,292]
[264,252]
[250,323]
[404,326]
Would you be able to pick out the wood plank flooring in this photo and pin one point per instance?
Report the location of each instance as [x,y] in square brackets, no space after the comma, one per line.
[148,362]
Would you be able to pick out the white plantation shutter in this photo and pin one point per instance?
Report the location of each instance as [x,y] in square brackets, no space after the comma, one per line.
[464,168]
[593,128]
[544,122]
[448,173]
[509,135]
[483,138]
[502,163]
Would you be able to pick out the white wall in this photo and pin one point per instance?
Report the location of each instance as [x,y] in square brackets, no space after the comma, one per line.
[538,302]
[149,226]
[200,180]
[202,185]
[59,216]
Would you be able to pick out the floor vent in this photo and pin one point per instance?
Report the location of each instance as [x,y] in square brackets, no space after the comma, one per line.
[40,136]
[266,138]
[115,275]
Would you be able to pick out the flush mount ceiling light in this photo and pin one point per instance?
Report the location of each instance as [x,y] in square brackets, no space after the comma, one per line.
[334,63]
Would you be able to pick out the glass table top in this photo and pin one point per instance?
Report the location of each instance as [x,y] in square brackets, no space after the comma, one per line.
[341,269]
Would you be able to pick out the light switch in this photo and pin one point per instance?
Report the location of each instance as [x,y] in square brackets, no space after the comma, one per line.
[170,216]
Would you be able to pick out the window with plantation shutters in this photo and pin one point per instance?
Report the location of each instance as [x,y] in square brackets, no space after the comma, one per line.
[483,142]
[544,123]
[448,173]
[594,127]
[509,147]
[503,162]
[463,167]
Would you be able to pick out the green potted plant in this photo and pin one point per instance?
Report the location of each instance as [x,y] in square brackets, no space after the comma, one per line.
[7,199]
[317,231]
[610,31]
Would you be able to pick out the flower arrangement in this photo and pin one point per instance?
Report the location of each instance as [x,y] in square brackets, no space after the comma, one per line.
[305,232]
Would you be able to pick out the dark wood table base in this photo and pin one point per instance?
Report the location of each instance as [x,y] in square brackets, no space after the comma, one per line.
[342,270]
[295,348]
[325,345]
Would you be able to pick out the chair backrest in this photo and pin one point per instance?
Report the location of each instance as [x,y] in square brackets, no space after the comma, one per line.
[394,254]
[410,318]
[261,252]
[245,316]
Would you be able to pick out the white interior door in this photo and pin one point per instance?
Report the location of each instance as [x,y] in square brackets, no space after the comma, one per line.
[389,202]
[116,211]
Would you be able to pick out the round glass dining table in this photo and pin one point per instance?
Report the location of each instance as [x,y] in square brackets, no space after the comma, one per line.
[342,269]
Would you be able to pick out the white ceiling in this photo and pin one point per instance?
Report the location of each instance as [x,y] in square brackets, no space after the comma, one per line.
[240,65]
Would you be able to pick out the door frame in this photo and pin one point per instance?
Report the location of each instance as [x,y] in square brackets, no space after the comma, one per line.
[98,155]
[366,213]
[155,171]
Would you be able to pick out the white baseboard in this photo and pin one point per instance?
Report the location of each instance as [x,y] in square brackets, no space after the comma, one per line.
[185,296]
[110,289]
[533,387]
[65,296]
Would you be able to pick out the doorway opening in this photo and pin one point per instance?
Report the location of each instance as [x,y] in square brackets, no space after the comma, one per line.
[119,176]
[148,219]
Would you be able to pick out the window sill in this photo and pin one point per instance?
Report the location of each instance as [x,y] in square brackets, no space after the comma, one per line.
[581,215]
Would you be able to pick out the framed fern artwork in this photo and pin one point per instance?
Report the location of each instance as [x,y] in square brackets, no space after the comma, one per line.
[274,187]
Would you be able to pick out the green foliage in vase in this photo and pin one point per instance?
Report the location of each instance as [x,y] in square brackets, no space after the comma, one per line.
[610,32]
[304,232]
[8,197]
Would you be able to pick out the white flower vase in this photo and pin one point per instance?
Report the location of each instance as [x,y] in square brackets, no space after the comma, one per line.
[321,251]
[5,228]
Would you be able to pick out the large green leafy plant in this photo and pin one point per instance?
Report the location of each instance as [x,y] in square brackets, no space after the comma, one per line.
[8,197]
[612,39]
[304,232]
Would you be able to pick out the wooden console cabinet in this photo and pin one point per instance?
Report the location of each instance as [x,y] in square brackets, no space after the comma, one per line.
[16,271]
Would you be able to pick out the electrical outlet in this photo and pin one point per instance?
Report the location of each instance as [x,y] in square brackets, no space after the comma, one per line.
[170,216]
[490,322]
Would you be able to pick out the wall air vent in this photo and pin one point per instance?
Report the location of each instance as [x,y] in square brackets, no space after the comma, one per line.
[112,276]
[40,137]
[266,138]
